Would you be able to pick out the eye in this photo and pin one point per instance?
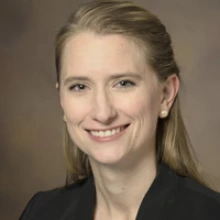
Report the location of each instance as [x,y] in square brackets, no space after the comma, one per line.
[125,83]
[77,87]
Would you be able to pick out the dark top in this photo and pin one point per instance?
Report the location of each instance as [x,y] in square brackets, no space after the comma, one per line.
[170,197]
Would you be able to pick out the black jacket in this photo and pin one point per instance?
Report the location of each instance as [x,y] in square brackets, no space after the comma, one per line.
[170,197]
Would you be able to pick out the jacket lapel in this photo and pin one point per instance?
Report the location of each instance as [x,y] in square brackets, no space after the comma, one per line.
[158,194]
[151,207]
[84,208]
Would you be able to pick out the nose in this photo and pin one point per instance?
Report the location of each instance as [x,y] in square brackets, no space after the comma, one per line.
[103,108]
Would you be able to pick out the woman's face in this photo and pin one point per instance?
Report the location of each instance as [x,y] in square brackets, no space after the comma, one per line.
[110,97]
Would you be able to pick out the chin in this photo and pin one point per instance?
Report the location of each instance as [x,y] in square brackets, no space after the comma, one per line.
[107,158]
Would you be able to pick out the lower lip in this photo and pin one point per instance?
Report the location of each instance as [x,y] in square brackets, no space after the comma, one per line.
[108,138]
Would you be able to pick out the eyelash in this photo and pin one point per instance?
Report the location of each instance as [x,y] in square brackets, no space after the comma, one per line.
[77,85]
[127,83]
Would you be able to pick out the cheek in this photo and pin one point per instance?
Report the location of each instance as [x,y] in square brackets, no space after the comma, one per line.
[74,109]
[146,113]
[142,106]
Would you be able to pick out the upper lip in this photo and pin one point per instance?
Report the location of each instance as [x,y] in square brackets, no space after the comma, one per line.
[106,129]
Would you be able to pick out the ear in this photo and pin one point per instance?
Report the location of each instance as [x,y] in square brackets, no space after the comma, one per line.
[58,88]
[57,85]
[170,89]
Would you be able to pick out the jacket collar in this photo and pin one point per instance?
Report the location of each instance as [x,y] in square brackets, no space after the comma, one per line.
[150,208]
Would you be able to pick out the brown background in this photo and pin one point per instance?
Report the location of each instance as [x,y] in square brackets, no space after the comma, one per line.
[31,119]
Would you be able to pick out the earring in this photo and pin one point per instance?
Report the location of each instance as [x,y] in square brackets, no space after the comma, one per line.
[163,113]
[64,118]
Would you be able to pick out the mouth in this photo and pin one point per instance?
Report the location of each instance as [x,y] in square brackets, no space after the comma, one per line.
[108,132]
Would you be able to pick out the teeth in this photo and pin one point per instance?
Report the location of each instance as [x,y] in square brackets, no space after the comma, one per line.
[106,133]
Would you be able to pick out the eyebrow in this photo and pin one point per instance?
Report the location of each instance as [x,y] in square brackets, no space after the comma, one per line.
[114,76]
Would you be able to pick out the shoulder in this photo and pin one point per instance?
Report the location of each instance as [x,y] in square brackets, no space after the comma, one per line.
[194,199]
[54,202]
[198,191]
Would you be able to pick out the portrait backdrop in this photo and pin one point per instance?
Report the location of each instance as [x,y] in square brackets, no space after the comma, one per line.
[31,119]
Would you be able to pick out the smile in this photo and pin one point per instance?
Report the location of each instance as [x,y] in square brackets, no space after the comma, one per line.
[108,132]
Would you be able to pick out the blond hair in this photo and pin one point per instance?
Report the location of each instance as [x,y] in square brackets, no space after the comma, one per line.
[146,30]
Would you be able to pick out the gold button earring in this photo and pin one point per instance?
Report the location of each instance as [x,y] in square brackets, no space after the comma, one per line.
[163,113]
[64,118]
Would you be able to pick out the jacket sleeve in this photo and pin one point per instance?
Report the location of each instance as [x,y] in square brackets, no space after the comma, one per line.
[28,211]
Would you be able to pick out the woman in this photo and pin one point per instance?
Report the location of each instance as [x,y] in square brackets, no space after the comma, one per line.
[126,149]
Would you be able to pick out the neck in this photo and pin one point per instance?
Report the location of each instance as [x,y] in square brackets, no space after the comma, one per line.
[121,188]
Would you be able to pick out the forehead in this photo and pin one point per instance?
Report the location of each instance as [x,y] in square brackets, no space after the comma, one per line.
[92,53]
[90,40]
